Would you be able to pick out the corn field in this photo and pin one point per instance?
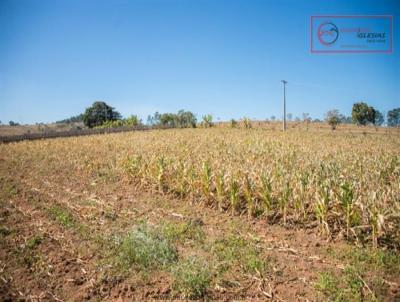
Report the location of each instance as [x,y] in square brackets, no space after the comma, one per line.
[347,184]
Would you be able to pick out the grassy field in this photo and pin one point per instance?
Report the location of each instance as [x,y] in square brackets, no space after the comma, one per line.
[217,214]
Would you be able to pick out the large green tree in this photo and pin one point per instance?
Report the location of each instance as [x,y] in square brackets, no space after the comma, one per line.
[393,117]
[186,119]
[99,113]
[363,114]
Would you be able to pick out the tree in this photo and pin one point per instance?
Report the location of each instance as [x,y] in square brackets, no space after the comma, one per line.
[306,119]
[11,123]
[168,119]
[246,123]
[393,117]
[363,114]
[379,118]
[332,117]
[207,121]
[99,113]
[150,121]
[157,118]
[273,118]
[182,119]
[289,117]
[186,119]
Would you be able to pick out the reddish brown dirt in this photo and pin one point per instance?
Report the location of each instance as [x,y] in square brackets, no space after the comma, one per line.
[68,263]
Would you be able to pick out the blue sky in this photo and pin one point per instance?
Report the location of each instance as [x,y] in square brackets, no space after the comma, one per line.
[208,56]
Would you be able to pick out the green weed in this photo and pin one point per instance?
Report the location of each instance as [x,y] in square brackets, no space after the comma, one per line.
[62,216]
[34,241]
[235,250]
[191,278]
[183,231]
[146,247]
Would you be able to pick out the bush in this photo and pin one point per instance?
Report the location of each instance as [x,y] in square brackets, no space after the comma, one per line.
[192,278]
[111,124]
[131,121]
[247,123]
[147,248]
[333,118]
[207,121]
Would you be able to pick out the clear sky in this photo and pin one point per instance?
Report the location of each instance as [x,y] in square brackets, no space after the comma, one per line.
[208,56]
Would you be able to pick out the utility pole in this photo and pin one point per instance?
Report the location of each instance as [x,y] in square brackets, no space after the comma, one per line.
[284,104]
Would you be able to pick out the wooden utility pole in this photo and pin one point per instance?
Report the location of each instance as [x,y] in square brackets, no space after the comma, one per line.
[284,104]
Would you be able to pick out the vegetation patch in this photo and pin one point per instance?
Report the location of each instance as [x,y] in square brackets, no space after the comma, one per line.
[363,277]
[27,254]
[192,277]
[386,261]
[190,230]
[62,216]
[146,247]
[236,250]
[350,286]
[327,284]
[34,241]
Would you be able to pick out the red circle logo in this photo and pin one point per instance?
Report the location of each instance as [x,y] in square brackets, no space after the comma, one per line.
[328,33]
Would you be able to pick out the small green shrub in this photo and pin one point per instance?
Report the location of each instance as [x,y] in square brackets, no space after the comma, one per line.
[146,247]
[192,278]
[327,284]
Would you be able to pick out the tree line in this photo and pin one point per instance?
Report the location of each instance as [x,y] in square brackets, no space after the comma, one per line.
[362,114]
[101,115]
